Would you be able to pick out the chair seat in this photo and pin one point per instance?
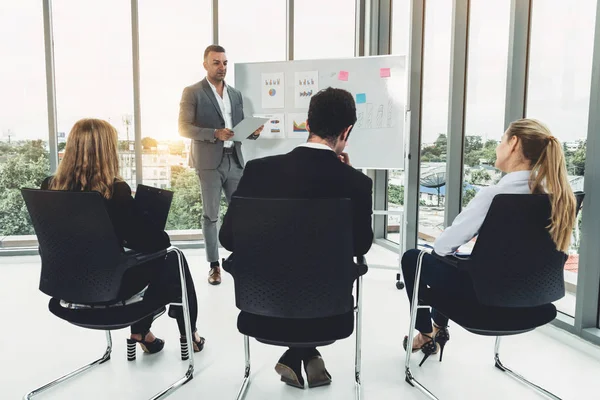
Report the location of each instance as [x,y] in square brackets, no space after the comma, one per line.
[490,321]
[104,318]
[307,331]
[295,344]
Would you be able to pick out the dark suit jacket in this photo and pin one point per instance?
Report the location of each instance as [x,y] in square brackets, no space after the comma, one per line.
[306,173]
[200,115]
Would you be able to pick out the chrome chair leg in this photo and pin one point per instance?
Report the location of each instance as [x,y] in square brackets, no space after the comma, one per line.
[185,305]
[411,332]
[62,379]
[518,377]
[246,381]
[358,348]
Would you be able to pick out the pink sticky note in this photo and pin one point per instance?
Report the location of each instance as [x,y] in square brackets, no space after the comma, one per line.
[343,76]
[385,72]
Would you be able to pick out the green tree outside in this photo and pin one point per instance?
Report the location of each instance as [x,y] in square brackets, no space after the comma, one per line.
[148,143]
[186,208]
[396,194]
[27,166]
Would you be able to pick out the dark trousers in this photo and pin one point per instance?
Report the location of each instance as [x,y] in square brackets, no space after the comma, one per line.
[295,355]
[440,277]
[164,287]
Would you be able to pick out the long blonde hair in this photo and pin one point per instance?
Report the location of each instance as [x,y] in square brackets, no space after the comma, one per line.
[91,161]
[548,175]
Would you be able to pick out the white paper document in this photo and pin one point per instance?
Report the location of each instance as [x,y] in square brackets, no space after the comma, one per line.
[274,128]
[273,90]
[306,85]
[248,126]
[297,126]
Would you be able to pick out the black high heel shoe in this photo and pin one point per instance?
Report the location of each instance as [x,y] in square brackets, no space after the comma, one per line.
[441,338]
[148,347]
[430,347]
[198,346]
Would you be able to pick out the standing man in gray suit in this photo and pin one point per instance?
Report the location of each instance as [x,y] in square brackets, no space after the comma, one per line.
[208,112]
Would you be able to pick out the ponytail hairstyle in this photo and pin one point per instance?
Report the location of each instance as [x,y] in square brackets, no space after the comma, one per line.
[91,161]
[548,175]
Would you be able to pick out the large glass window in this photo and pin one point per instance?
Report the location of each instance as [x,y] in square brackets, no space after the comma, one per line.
[559,93]
[434,118]
[94,73]
[252,31]
[486,92]
[23,113]
[324,29]
[171,55]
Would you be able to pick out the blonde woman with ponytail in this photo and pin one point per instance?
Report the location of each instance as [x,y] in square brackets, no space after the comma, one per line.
[91,164]
[534,163]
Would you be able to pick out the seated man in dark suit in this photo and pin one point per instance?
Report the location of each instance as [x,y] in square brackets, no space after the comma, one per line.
[316,169]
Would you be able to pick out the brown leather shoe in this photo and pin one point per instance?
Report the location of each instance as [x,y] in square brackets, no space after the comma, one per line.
[214,276]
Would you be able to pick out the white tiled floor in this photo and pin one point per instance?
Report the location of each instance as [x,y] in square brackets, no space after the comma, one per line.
[36,347]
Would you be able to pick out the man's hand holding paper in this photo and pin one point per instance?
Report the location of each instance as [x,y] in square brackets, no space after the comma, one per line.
[250,127]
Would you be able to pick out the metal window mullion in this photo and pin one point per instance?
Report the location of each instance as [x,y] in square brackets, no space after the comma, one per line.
[384,42]
[379,45]
[587,311]
[456,109]
[137,108]
[50,84]
[412,132]
[359,28]
[214,10]
[380,179]
[518,58]
[289,30]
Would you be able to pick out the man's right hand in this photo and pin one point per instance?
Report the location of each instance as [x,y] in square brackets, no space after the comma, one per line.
[223,134]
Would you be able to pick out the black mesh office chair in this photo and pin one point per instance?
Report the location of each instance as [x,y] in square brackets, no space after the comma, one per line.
[517,273]
[83,263]
[292,262]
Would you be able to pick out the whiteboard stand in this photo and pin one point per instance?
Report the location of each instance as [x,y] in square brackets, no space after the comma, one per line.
[399,282]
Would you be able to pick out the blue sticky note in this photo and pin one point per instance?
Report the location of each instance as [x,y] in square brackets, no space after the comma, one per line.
[361,98]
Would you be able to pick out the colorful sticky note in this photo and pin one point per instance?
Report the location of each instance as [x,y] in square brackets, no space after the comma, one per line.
[361,98]
[385,72]
[343,76]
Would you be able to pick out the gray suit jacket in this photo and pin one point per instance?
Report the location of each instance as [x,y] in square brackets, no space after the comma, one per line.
[199,116]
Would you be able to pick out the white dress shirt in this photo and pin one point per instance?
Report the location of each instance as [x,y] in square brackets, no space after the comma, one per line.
[319,146]
[225,106]
[467,224]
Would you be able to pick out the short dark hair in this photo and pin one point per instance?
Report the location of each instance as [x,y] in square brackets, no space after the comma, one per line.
[330,112]
[213,47]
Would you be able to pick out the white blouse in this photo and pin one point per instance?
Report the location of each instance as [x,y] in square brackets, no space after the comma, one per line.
[467,224]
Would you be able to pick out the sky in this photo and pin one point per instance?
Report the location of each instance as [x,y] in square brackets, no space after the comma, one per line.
[93,58]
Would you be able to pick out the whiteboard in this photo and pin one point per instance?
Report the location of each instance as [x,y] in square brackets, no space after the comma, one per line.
[283,89]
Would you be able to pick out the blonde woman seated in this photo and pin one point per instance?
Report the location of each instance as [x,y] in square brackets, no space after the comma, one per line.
[534,162]
[91,163]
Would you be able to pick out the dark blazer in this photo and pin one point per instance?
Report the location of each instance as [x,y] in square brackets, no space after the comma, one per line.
[132,229]
[199,116]
[307,173]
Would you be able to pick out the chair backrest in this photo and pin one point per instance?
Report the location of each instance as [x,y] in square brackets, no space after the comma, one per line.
[515,263]
[79,248]
[293,258]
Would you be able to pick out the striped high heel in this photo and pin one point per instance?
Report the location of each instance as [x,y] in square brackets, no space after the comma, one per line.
[148,347]
[198,346]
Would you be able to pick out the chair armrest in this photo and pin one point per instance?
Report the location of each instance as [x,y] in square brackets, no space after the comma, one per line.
[137,258]
[228,264]
[361,266]
[459,262]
